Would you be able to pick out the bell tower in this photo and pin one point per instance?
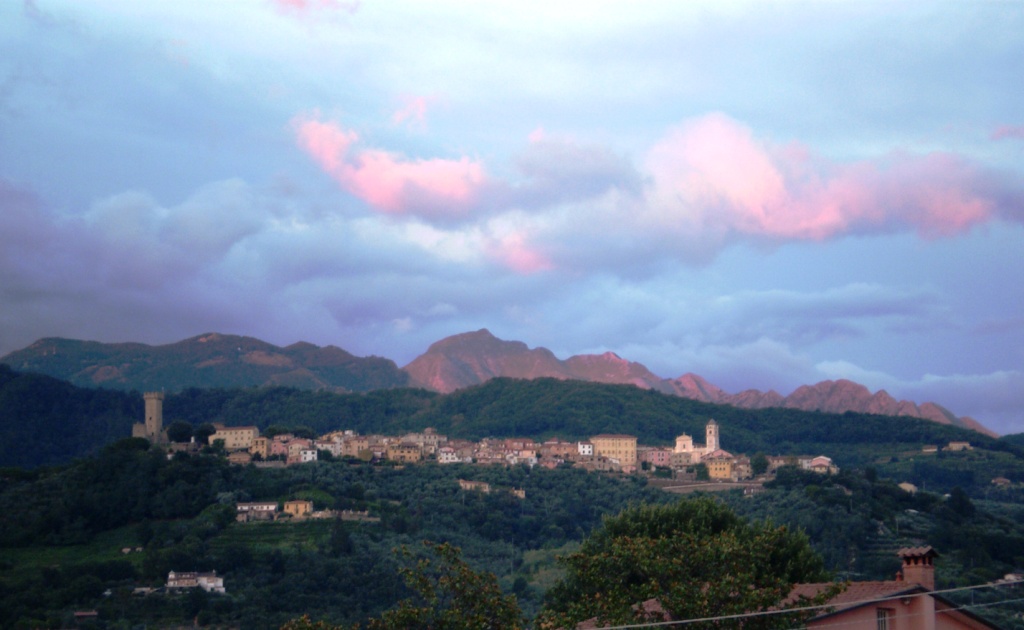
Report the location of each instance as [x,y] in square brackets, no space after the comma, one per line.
[711,442]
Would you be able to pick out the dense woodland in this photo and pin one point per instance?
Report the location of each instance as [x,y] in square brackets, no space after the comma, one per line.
[65,523]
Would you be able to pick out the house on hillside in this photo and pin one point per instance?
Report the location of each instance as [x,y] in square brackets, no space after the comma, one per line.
[256,511]
[481,486]
[447,455]
[298,508]
[822,465]
[209,582]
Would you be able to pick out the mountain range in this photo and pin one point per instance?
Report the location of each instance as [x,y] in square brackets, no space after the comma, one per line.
[456,362]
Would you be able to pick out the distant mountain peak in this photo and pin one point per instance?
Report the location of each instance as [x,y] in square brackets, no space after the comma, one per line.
[207,360]
[221,360]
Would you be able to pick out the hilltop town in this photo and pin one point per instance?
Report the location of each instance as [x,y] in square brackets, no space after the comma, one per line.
[686,460]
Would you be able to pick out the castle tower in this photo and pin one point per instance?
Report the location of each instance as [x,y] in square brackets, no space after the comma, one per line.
[154,416]
[711,443]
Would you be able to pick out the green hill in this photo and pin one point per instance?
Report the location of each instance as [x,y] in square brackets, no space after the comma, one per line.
[46,421]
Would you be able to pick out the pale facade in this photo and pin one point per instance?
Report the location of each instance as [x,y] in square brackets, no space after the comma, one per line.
[209,582]
[480,486]
[618,447]
[236,438]
[447,455]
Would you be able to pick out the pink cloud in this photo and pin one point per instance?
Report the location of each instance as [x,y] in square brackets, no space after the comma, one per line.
[413,112]
[303,6]
[388,181]
[1006,132]
[714,174]
[512,251]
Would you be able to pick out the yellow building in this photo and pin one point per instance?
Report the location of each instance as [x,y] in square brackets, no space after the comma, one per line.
[298,507]
[719,467]
[621,448]
[236,438]
[261,446]
[404,452]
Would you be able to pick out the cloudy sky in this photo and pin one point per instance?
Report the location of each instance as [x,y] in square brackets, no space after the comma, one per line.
[765,194]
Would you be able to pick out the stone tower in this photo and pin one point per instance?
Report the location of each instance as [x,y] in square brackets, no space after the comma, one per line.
[711,443]
[154,414]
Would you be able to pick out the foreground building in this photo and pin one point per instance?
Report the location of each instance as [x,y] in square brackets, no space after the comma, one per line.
[906,603]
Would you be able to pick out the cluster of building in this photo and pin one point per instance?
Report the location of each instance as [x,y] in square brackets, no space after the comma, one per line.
[604,452]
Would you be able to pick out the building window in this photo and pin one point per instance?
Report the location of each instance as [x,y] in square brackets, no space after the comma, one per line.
[884,616]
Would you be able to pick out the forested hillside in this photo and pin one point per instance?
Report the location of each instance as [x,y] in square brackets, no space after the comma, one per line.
[44,420]
[64,528]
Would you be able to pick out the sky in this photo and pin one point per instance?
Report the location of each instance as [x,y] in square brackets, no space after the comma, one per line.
[767,194]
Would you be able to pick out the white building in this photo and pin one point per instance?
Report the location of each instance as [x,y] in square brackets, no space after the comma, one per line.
[692,453]
[209,582]
[447,455]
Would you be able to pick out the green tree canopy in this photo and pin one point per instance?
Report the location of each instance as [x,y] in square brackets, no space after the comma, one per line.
[695,557]
[179,431]
[449,596]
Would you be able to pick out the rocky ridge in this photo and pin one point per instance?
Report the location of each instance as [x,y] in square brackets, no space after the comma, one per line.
[456,362]
[471,358]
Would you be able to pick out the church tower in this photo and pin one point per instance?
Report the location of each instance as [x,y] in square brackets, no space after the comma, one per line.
[711,443]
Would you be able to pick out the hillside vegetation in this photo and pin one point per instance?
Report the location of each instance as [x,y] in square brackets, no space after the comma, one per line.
[64,528]
[45,421]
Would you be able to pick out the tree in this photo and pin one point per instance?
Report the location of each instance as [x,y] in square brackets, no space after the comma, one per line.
[695,557]
[203,432]
[179,431]
[702,472]
[449,596]
[759,464]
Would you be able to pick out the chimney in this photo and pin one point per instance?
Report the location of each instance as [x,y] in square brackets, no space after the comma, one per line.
[918,566]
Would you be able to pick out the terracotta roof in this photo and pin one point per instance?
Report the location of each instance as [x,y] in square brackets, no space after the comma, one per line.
[719,454]
[653,610]
[855,594]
